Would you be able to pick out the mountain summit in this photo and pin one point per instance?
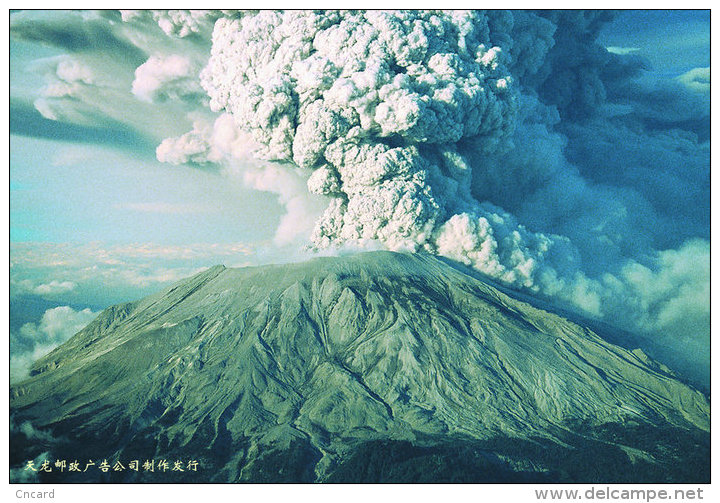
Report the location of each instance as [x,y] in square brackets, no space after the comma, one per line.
[374,367]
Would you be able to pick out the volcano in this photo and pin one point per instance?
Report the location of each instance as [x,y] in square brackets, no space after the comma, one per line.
[373,367]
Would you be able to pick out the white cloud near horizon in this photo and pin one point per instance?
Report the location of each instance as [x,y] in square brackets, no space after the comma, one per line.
[35,340]
[101,274]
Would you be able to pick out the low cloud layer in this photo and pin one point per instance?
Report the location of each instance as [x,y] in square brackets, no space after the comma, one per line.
[34,340]
[94,275]
[99,275]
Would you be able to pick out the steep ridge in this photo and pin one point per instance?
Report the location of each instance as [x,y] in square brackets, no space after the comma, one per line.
[371,367]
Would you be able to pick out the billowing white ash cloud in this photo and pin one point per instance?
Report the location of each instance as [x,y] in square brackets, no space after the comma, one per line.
[178,23]
[381,107]
[509,141]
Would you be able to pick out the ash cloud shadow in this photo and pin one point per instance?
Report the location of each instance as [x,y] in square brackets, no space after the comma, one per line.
[25,120]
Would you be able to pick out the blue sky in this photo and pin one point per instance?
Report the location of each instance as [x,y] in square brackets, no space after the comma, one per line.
[78,193]
[674,42]
[98,179]
[91,182]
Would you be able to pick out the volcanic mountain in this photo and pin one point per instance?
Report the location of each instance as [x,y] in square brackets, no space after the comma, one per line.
[373,367]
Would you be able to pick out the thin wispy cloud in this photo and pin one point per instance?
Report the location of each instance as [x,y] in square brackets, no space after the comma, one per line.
[166,208]
[622,50]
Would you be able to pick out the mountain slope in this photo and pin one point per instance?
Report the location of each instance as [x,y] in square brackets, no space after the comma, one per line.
[308,372]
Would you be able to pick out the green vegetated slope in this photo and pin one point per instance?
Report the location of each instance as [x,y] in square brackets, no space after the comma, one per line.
[374,367]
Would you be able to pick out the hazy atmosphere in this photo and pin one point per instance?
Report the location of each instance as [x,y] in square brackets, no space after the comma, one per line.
[564,155]
[360,247]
